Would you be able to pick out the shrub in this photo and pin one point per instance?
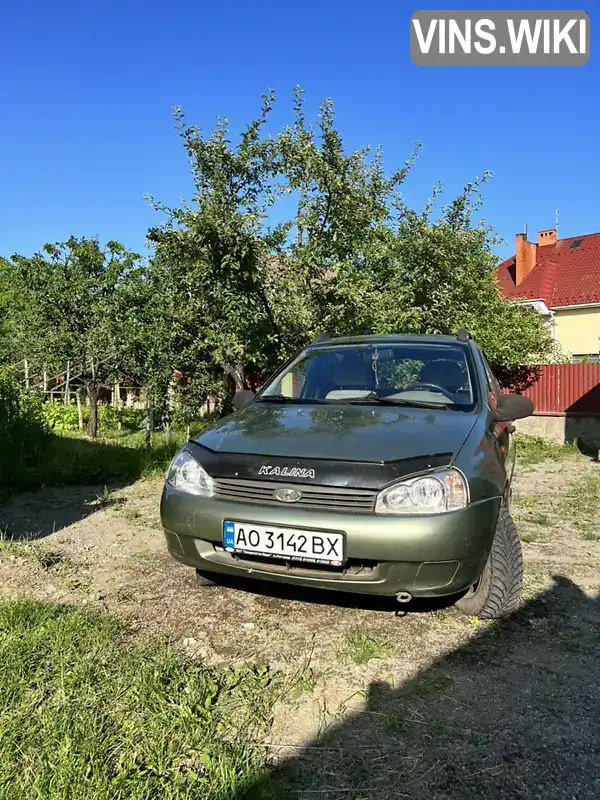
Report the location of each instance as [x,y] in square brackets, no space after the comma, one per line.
[63,418]
[109,418]
[60,418]
[37,448]
[23,431]
[517,379]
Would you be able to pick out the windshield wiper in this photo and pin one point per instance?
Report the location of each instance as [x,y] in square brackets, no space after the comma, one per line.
[391,401]
[282,398]
[367,399]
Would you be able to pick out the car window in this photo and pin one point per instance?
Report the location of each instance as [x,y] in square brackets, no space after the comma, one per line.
[492,381]
[433,373]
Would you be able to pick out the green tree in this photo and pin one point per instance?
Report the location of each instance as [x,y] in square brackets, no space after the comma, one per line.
[376,266]
[239,293]
[345,223]
[76,302]
[448,268]
[10,345]
[213,262]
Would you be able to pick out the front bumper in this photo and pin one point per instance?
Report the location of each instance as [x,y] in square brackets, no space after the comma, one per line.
[426,556]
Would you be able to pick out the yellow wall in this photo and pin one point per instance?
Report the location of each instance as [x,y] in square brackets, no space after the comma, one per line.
[287,385]
[578,330]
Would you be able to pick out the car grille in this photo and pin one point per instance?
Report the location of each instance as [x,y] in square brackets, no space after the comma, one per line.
[333,498]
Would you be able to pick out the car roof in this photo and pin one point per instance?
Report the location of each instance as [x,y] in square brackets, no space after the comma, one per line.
[391,338]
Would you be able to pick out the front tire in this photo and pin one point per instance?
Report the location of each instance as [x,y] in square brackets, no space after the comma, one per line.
[498,591]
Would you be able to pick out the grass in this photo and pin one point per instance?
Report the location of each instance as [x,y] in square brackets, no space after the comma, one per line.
[537,518]
[70,459]
[23,548]
[535,449]
[529,537]
[360,648]
[544,520]
[581,505]
[86,714]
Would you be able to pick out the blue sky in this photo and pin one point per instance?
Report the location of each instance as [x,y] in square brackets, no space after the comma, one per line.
[87,88]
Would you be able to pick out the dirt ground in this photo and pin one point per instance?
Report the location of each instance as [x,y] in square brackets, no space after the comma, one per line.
[448,707]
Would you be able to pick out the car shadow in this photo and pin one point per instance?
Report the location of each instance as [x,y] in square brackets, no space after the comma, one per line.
[328,597]
[513,713]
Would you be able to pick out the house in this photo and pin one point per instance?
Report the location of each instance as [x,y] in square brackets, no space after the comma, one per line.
[560,278]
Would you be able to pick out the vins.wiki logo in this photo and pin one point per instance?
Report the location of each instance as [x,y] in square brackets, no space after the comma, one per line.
[496,38]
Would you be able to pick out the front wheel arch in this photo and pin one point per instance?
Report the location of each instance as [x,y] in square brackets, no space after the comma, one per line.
[497,593]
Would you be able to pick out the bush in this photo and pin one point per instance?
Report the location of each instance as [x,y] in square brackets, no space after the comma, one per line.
[517,379]
[109,418]
[24,434]
[37,447]
[60,418]
[63,418]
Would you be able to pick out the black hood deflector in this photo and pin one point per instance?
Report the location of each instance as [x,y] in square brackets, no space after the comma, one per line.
[327,472]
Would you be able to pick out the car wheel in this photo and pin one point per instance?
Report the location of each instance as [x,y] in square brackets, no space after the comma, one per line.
[498,591]
[204,579]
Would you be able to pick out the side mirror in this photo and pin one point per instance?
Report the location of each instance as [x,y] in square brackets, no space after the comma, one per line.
[513,406]
[242,398]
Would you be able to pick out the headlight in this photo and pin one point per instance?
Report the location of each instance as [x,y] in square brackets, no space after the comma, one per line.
[429,494]
[186,474]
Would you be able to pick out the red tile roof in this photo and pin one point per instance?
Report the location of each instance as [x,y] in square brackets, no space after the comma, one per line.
[561,277]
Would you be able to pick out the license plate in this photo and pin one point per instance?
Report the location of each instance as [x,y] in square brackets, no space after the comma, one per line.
[293,544]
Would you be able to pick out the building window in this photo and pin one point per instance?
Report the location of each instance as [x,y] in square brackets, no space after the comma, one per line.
[590,358]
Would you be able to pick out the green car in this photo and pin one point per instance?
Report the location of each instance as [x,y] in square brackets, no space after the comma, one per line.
[372,464]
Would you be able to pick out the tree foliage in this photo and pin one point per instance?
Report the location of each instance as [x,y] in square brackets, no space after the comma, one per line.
[349,256]
[213,260]
[287,233]
[76,302]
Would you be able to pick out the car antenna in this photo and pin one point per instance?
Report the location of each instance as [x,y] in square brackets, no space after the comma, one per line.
[321,337]
[463,335]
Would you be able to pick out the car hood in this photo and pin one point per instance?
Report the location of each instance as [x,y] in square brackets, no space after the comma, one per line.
[339,432]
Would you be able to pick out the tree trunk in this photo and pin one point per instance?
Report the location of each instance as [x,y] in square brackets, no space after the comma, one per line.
[117,403]
[237,383]
[149,426]
[79,408]
[92,393]
[238,376]
[171,401]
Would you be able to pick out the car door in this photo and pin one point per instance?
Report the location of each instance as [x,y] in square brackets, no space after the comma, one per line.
[503,431]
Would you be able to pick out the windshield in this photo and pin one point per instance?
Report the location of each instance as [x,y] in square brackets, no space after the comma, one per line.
[403,373]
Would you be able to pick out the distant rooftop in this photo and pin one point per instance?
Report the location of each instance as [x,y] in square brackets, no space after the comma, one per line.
[561,272]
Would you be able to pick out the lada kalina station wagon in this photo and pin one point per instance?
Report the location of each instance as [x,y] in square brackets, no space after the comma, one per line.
[372,464]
